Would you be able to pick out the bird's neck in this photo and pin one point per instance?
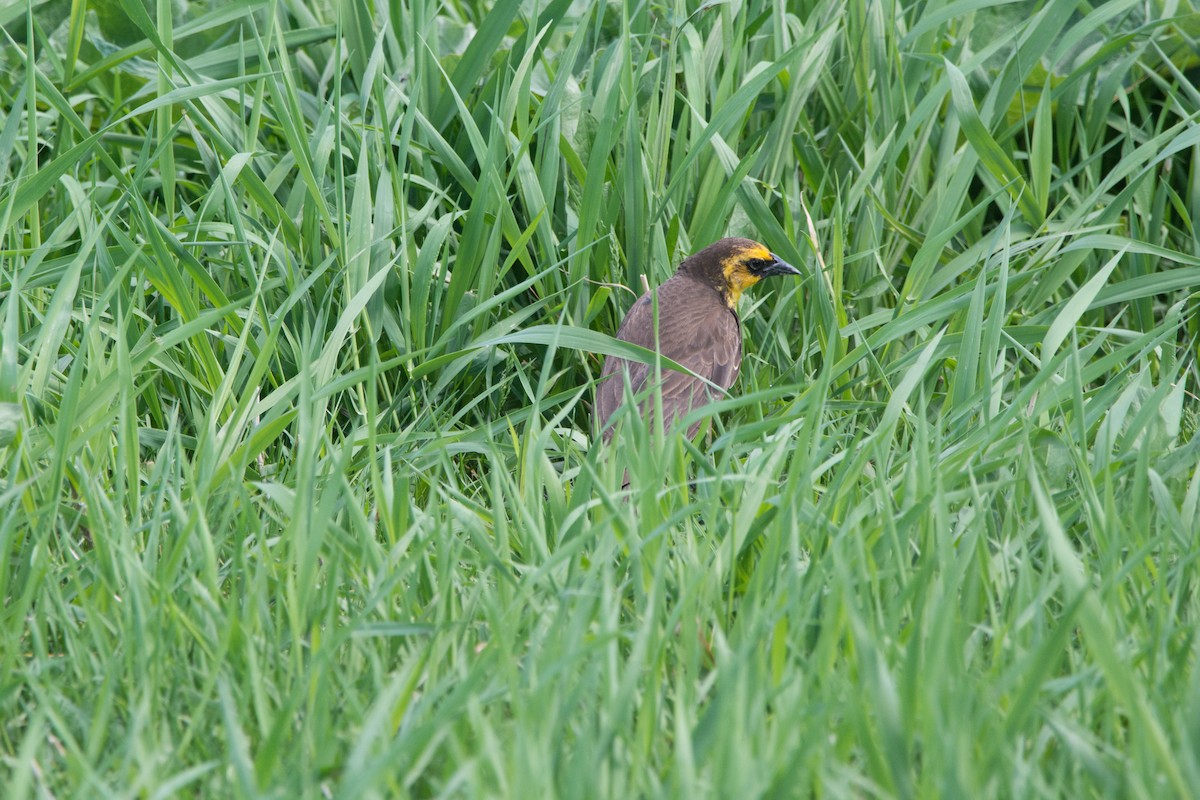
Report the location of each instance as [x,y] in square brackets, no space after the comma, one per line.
[729,291]
[731,295]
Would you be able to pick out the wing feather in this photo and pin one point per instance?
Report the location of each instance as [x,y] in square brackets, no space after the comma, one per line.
[697,330]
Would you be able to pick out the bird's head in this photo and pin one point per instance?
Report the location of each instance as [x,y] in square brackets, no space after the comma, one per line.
[733,265]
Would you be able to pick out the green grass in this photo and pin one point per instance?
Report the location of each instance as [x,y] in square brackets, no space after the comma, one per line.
[301,308]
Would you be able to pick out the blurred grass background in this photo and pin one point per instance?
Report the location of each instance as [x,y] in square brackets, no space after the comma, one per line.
[301,305]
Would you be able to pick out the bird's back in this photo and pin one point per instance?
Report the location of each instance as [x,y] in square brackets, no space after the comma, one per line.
[695,329]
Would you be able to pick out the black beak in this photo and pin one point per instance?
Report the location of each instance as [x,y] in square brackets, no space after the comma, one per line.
[780,267]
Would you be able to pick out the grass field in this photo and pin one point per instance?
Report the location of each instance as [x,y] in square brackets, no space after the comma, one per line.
[301,309]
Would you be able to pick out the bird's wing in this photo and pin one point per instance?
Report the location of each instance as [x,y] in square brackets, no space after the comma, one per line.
[611,389]
[705,337]
[712,349]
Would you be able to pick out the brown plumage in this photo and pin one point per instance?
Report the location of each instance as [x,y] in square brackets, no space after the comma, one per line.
[698,327]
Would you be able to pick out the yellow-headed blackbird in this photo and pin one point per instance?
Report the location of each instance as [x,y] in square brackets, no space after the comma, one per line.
[698,327]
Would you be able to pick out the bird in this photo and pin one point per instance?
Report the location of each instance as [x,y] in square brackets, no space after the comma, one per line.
[698,327]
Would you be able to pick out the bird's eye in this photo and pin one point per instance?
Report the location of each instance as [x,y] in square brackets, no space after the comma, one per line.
[759,264]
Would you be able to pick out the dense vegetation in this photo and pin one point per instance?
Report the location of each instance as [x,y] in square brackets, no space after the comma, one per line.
[301,306]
